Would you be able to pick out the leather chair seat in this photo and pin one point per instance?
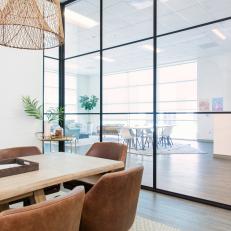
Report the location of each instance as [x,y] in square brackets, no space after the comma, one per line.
[59,214]
[111,203]
[107,150]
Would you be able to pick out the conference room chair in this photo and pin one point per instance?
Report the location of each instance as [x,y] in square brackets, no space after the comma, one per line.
[111,203]
[58,214]
[106,150]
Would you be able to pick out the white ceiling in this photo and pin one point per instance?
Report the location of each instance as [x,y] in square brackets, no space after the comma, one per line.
[124,23]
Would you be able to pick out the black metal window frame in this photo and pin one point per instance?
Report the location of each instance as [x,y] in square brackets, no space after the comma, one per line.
[155,113]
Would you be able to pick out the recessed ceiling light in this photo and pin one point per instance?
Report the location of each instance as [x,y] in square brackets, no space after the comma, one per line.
[158,50]
[140,5]
[70,65]
[219,33]
[106,59]
[79,20]
[163,1]
[151,48]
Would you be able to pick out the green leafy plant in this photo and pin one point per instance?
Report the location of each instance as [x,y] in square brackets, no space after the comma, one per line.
[88,102]
[55,114]
[34,109]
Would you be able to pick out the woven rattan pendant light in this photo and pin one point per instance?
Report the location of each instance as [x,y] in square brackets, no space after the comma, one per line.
[31,24]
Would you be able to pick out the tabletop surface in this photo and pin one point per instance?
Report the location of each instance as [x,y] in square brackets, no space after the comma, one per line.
[54,169]
[140,127]
[64,138]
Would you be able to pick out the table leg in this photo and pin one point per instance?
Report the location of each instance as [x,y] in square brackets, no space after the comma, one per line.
[136,139]
[142,139]
[39,196]
[4,207]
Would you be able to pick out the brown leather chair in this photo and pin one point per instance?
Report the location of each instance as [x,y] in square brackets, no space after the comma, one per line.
[26,151]
[59,214]
[112,202]
[106,150]
[18,152]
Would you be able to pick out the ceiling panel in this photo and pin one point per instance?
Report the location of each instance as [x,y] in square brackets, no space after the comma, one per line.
[178,14]
[123,21]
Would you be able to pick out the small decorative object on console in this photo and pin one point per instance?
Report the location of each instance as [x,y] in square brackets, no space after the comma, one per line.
[59,132]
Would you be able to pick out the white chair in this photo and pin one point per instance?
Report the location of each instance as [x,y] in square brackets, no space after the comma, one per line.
[166,136]
[127,137]
[148,135]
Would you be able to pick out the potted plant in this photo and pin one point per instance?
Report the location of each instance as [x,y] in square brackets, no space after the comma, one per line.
[88,103]
[34,109]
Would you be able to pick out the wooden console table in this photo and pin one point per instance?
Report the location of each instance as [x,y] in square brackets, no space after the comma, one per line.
[57,139]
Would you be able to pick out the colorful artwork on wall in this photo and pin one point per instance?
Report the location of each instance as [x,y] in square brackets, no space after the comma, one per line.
[204,105]
[218,104]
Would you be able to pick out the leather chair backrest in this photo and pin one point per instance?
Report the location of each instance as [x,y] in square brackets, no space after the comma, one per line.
[112,202]
[18,152]
[59,214]
[108,150]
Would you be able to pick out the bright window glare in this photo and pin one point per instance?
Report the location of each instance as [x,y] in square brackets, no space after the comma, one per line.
[133,92]
[177,92]
[129,91]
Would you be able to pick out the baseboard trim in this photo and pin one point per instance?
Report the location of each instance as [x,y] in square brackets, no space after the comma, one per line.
[205,140]
[196,140]
[218,156]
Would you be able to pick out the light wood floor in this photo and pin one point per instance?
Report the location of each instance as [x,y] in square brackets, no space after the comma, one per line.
[183,214]
[197,175]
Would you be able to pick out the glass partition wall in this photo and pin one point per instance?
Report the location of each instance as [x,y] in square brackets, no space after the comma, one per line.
[108,59]
[192,92]
[51,90]
[156,74]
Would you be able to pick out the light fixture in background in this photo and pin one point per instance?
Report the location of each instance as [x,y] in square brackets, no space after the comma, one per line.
[218,33]
[31,24]
[140,5]
[71,66]
[163,1]
[79,20]
[106,59]
[151,48]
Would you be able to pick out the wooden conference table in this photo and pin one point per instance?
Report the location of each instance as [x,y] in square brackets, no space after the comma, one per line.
[54,169]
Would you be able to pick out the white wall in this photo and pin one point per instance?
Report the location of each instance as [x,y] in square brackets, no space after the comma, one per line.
[21,73]
[222,134]
[213,81]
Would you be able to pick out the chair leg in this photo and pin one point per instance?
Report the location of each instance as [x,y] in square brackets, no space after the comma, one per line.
[161,141]
[146,141]
[170,139]
[28,201]
[165,142]
[139,143]
[128,142]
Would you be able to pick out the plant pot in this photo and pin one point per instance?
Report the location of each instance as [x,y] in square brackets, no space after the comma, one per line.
[47,129]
